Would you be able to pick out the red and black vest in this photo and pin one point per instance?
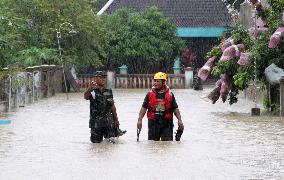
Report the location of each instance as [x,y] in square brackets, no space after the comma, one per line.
[153,101]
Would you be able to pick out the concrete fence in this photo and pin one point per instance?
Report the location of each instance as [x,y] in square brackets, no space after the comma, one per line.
[30,85]
[133,81]
[145,81]
[84,80]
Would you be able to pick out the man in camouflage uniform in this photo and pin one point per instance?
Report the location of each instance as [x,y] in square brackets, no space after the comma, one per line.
[103,117]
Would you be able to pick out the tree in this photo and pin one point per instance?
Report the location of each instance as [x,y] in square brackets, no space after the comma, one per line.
[146,42]
[28,33]
[28,36]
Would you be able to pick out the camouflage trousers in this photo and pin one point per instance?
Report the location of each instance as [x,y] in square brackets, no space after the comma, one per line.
[101,127]
[97,134]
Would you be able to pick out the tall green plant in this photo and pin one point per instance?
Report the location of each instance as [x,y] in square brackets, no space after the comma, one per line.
[144,41]
[28,33]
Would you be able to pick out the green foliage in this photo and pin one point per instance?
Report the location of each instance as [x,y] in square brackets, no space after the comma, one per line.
[276,5]
[10,37]
[272,107]
[259,52]
[226,67]
[5,73]
[275,107]
[28,35]
[143,41]
[266,102]
[28,31]
[241,36]
[240,80]
[97,4]
[262,57]
[215,51]
[264,14]
[34,56]
[233,95]
[93,41]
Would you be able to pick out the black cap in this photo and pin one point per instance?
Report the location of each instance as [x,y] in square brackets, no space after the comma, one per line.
[100,73]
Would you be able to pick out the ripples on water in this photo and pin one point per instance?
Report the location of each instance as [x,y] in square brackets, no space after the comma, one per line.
[50,140]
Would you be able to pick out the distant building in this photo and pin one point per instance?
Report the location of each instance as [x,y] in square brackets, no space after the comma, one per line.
[199,22]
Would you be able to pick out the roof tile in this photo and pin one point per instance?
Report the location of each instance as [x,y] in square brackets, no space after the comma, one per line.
[183,13]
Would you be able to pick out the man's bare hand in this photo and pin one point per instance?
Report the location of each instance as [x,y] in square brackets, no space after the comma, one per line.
[139,125]
[180,125]
[92,86]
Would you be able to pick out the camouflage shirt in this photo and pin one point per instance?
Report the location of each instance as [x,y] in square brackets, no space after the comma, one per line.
[101,103]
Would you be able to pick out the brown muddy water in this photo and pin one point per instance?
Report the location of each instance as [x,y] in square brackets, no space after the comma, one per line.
[50,140]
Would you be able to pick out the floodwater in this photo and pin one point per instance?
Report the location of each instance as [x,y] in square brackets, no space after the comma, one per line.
[50,140]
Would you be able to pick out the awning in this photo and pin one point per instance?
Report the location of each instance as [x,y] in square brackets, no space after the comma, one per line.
[200,32]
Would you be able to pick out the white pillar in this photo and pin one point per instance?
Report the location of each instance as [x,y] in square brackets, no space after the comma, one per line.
[188,77]
[110,80]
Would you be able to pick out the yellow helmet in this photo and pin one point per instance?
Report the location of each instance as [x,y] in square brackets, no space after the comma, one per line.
[160,75]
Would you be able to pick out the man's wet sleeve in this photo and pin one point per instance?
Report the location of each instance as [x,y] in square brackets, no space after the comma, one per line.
[146,101]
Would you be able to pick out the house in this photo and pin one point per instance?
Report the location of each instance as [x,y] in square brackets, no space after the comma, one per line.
[199,22]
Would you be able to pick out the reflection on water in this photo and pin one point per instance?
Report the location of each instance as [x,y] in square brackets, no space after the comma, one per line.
[50,140]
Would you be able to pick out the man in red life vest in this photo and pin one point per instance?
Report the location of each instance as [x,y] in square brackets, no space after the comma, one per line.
[160,105]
